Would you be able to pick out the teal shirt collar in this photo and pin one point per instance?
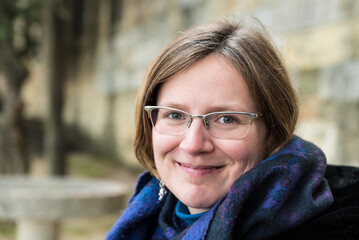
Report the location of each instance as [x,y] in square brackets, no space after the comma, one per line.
[183,213]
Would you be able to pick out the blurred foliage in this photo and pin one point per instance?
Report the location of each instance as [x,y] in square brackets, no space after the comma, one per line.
[106,167]
[86,165]
[7,228]
[18,19]
[87,229]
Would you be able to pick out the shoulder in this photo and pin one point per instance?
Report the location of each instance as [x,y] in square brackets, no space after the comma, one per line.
[342,177]
[341,220]
[344,184]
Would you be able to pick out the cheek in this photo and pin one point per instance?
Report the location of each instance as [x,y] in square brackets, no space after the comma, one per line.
[238,152]
[251,149]
[162,144]
[244,154]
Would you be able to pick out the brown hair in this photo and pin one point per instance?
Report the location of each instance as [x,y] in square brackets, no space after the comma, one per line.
[250,51]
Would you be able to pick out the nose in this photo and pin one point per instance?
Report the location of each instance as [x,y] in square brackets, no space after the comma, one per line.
[197,139]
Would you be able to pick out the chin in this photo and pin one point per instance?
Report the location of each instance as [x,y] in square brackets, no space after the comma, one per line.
[198,199]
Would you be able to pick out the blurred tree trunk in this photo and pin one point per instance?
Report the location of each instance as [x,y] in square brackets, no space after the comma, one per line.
[54,56]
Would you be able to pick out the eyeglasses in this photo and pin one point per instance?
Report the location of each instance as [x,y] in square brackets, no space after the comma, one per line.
[223,125]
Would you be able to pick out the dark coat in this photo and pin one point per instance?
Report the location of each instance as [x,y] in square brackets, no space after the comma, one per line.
[341,220]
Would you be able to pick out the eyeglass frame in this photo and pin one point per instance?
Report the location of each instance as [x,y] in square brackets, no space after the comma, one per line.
[251,116]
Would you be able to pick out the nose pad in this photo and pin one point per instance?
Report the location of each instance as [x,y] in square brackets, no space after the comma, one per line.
[189,122]
[206,123]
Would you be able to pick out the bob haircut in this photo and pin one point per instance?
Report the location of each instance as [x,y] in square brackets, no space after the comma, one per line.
[249,49]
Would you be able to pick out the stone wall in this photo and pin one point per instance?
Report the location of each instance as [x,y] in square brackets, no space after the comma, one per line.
[319,40]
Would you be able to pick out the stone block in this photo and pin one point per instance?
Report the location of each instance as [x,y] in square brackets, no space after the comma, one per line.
[289,16]
[323,133]
[317,47]
[340,82]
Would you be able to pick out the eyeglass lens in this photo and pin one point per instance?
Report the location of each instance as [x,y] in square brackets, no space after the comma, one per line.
[219,125]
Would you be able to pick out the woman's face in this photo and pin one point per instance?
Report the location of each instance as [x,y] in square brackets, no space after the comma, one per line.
[196,167]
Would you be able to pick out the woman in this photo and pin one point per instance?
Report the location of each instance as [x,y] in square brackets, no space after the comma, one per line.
[215,120]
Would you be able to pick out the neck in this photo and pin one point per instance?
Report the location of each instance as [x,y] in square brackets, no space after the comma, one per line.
[197,210]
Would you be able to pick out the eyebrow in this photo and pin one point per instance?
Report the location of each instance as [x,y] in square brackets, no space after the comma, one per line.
[229,108]
[177,106]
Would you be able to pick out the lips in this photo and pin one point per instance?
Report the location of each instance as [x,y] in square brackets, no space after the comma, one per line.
[199,170]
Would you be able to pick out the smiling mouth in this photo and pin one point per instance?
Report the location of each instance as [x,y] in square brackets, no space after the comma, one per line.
[199,170]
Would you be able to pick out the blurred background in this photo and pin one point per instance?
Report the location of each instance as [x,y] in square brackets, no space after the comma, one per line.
[70,69]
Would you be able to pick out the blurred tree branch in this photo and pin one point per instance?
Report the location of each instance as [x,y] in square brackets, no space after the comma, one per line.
[15,47]
[18,19]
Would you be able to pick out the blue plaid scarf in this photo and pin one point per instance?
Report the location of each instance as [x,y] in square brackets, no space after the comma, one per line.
[280,193]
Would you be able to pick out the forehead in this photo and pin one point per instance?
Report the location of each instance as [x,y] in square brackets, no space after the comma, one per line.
[210,84]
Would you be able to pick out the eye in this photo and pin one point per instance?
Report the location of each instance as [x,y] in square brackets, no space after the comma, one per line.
[175,116]
[227,119]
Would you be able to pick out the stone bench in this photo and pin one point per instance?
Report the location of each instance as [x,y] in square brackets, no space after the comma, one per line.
[39,204]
